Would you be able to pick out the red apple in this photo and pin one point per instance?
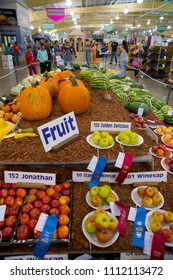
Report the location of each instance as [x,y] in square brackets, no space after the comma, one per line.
[23,232]
[45,208]
[14,210]
[34,213]
[7,211]
[46,199]
[168,234]
[6,233]
[103,235]
[41,194]
[54,203]
[31,198]
[58,187]
[2,224]
[33,191]
[21,192]
[10,221]
[57,195]
[32,224]
[154,148]
[64,209]
[55,211]
[1,184]
[7,186]
[9,200]
[24,218]
[66,191]
[12,192]
[27,207]
[67,184]
[19,201]
[38,204]
[4,193]
[50,191]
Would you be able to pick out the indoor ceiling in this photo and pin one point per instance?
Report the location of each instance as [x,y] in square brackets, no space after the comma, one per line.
[95,15]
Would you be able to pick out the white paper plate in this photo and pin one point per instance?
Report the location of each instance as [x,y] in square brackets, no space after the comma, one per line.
[92,237]
[148,220]
[89,140]
[158,133]
[165,166]
[140,141]
[153,154]
[138,200]
[105,205]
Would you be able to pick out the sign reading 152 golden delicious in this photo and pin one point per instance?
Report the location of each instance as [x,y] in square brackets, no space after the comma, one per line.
[110,126]
[29,177]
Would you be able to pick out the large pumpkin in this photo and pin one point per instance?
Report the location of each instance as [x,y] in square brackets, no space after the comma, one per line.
[74,97]
[35,103]
[68,82]
[49,83]
[65,75]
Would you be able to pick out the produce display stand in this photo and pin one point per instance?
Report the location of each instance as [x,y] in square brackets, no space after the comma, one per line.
[28,155]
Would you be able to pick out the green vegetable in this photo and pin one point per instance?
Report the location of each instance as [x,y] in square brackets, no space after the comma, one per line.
[134,106]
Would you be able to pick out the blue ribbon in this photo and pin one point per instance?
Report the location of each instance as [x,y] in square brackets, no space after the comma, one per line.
[45,239]
[100,166]
[139,228]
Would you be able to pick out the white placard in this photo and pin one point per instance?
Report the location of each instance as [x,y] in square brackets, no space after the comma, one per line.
[115,209]
[151,176]
[120,159]
[142,256]
[46,257]
[148,243]
[2,212]
[29,177]
[41,222]
[92,165]
[151,134]
[110,126]
[48,25]
[132,214]
[58,130]
[170,112]
[140,111]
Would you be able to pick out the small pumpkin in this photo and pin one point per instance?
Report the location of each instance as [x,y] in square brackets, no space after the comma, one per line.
[15,108]
[49,83]
[74,97]
[35,103]
[68,82]
[6,108]
[65,75]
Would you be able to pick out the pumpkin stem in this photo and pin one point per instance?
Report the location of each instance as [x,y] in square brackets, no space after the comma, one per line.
[34,84]
[73,81]
[47,76]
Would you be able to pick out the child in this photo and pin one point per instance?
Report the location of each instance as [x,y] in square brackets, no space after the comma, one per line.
[30,60]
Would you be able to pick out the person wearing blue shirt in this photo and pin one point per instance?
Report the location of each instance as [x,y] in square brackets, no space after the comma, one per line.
[8,49]
[42,57]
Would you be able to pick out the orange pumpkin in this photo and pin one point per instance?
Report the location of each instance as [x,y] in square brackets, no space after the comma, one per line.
[65,75]
[68,82]
[55,77]
[15,108]
[74,97]
[49,83]
[35,103]
[6,108]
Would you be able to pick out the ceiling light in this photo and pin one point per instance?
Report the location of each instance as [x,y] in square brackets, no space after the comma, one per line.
[172,36]
[71,13]
[106,24]
[101,28]
[111,21]
[53,34]
[68,3]
[126,10]
[149,30]
[73,19]
[131,27]
[45,32]
[140,1]
[117,17]
[161,17]
[39,29]
[148,22]
[31,27]
[168,27]
[139,25]
[151,33]
[116,32]
[75,23]
[126,29]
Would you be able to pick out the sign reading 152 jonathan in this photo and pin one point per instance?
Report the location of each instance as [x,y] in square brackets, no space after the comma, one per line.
[58,131]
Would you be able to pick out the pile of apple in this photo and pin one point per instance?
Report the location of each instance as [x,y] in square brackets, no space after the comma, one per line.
[102,139]
[128,137]
[158,221]
[53,200]
[168,139]
[169,163]
[101,225]
[139,121]
[162,129]
[13,198]
[160,150]
[150,196]
[100,196]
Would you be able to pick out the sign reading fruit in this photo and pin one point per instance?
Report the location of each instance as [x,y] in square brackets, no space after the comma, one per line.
[29,177]
[110,126]
[58,131]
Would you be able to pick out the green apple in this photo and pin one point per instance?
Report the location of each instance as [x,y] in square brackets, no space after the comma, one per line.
[104,134]
[96,133]
[111,198]
[127,132]
[155,226]
[134,140]
[110,139]
[104,191]
[102,221]
[133,134]
[94,191]
[120,136]
[168,216]
[96,139]
[103,142]
[96,200]
[99,211]
[113,223]
[90,225]
[125,139]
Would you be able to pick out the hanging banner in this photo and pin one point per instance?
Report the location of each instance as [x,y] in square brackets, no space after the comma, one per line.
[55,13]
[48,26]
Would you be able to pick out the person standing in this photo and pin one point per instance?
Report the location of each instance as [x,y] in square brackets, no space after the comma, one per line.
[114,46]
[88,51]
[8,49]
[30,60]
[16,53]
[124,58]
[58,54]
[68,50]
[42,57]
[49,52]
[137,60]
[95,51]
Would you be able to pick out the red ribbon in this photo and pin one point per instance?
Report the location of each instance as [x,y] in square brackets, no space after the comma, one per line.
[158,247]
[0,193]
[122,218]
[126,166]
[155,121]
